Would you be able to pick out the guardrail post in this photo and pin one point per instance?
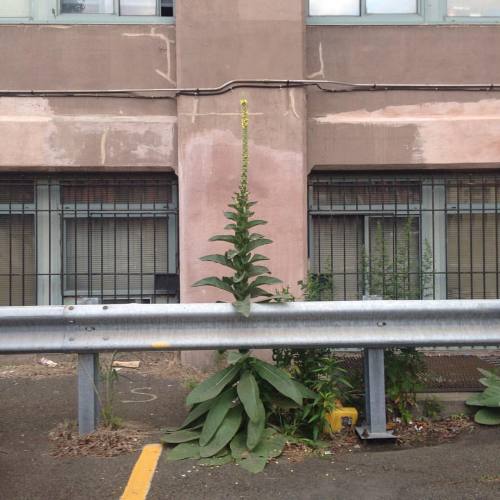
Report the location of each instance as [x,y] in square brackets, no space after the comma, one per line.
[375,426]
[88,387]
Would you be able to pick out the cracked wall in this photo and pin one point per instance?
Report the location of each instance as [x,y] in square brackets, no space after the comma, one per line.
[404,129]
[90,133]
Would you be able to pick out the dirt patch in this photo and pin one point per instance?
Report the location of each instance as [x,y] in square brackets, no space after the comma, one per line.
[164,365]
[430,433]
[417,434]
[103,443]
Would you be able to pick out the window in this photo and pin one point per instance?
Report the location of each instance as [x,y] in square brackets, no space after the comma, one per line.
[120,7]
[403,11]
[406,237]
[474,8]
[361,7]
[91,239]
[86,11]
[15,8]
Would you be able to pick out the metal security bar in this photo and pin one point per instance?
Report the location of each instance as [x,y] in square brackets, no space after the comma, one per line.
[90,329]
[405,236]
[88,239]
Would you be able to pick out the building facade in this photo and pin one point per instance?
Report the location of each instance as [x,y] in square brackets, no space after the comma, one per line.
[383,184]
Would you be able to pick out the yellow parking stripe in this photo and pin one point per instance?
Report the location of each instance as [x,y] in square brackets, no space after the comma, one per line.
[142,474]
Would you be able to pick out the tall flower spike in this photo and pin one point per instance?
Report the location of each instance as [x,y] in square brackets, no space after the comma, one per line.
[244,154]
[248,275]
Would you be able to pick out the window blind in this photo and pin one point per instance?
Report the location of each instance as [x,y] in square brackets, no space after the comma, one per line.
[114,255]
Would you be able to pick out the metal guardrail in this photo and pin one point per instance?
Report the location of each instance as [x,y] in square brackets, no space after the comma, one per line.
[374,325]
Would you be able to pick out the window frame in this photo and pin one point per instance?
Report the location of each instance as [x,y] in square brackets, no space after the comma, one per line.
[49,238]
[48,12]
[429,12]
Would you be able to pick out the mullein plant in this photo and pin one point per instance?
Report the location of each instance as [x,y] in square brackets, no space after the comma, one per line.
[229,412]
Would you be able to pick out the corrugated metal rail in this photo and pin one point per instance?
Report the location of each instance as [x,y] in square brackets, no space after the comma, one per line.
[374,325]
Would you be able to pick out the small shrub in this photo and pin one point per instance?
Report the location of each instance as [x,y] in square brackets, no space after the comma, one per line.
[431,408]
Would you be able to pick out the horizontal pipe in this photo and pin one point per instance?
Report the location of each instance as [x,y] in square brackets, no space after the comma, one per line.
[333,86]
[137,327]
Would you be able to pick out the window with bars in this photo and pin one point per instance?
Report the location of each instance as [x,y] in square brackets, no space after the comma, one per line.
[406,237]
[88,239]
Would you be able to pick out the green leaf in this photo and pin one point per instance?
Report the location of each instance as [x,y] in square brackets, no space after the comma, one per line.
[488,416]
[253,464]
[216,461]
[279,380]
[234,357]
[231,254]
[238,446]
[216,282]
[243,306]
[248,392]
[223,237]
[216,415]
[217,258]
[257,270]
[231,216]
[305,391]
[259,292]
[256,427]
[196,413]
[258,257]
[184,451]
[254,223]
[231,227]
[271,444]
[182,436]
[213,386]
[224,434]
[265,280]
[491,396]
[258,243]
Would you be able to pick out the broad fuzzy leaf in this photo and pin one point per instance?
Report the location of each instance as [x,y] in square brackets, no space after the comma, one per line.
[217,258]
[259,292]
[266,280]
[488,416]
[184,451]
[223,237]
[183,436]
[216,415]
[491,396]
[279,380]
[256,427]
[257,222]
[224,434]
[248,392]
[196,413]
[234,357]
[258,257]
[252,245]
[257,271]
[231,215]
[238,446]
[213,386]
[216,282]
[271,444]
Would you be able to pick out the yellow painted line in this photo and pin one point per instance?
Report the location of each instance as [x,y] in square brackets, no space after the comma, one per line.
[142,474]
[160,345]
